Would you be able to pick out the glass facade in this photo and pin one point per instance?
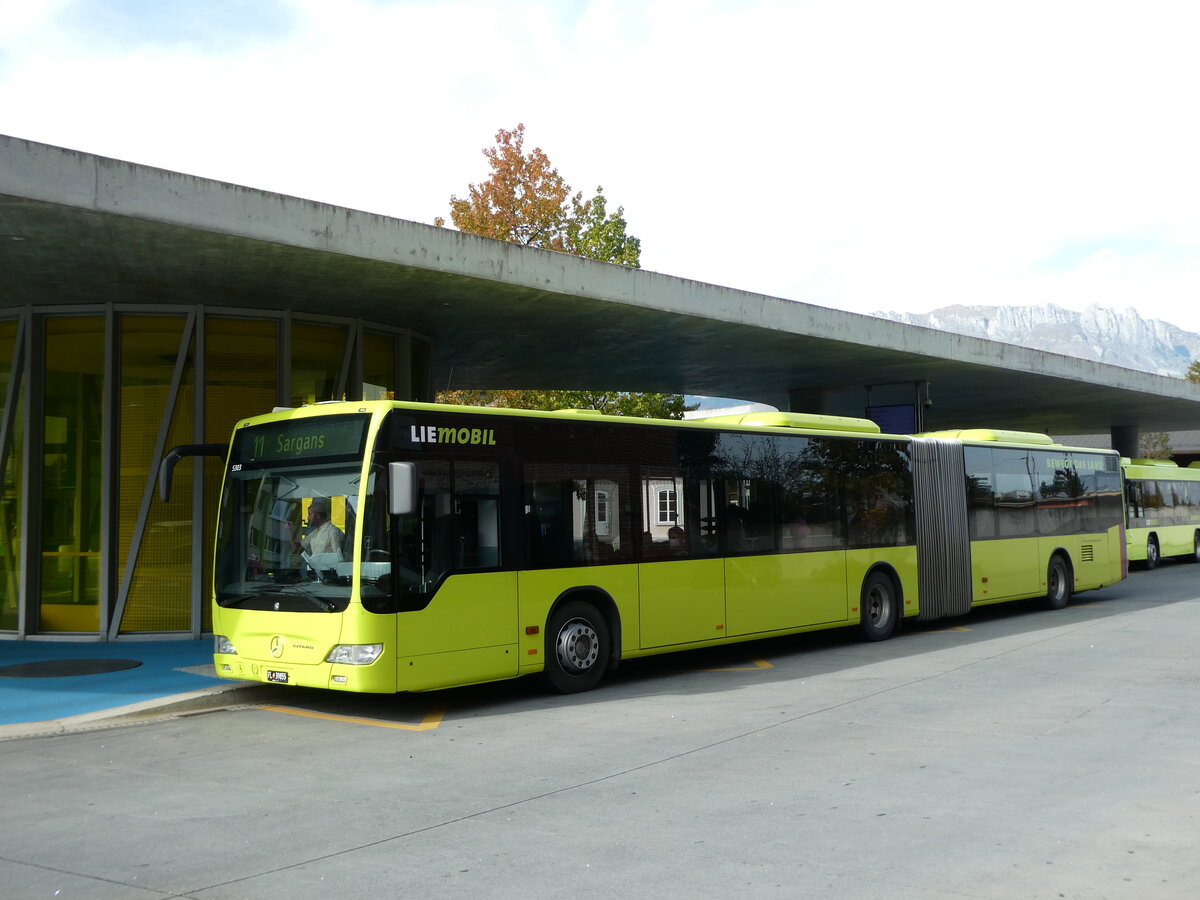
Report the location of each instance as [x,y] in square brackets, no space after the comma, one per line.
[11,487]
[71,373]
[89,403]
[379,366]
[318,352]
[157,395]
[241,371]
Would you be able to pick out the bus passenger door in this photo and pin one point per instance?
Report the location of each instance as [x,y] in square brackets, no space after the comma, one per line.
[769,586]
[681,578]
[458,614]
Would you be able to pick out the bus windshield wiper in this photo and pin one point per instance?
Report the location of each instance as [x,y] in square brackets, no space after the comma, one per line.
[320,602]
[282,590]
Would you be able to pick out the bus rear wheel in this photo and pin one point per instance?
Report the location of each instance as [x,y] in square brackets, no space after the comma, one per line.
[880,606]
[577,648]
[1058,583]
[1152,553]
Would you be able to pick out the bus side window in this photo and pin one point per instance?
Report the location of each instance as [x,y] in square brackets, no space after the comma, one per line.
[423,539]
[476,515]
[981,492]
[1133,496]
[664,515]
[749,515]
[576,513]
[1017,510]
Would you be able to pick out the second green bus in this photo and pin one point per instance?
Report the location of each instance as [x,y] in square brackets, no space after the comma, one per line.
[1162,502]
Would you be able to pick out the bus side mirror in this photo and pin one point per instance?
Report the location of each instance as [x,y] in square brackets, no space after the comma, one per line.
[402,488]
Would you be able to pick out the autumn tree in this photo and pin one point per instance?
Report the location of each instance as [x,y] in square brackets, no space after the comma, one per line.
[612,403]
[527,202]
[1193,372]
[597,234]
[1155,445]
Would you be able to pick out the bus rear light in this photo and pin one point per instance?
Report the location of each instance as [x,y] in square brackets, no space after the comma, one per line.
[355,654]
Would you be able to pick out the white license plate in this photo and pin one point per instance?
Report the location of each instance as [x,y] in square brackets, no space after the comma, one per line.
[277,677]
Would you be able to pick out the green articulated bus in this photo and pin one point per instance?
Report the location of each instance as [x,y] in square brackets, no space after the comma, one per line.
[1162,505]
[385,546]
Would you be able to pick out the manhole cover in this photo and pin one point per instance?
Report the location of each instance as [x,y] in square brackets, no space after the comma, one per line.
[60,668]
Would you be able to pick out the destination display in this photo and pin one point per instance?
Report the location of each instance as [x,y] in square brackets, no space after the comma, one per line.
[301,439]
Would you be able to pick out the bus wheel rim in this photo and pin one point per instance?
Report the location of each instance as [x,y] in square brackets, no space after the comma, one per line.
[877,604]
[578,646]
[1058,581]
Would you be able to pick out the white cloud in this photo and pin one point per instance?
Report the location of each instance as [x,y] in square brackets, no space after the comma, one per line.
[867,155]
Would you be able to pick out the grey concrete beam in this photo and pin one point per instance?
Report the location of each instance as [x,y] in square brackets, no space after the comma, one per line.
[79,227]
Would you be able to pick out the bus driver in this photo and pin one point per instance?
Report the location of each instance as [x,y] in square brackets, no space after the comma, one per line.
[323,536]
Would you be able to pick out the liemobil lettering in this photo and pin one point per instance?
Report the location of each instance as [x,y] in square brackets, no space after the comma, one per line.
[434,434]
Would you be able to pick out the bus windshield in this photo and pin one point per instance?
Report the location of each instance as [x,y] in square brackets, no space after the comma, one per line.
[286,538]
[289,513]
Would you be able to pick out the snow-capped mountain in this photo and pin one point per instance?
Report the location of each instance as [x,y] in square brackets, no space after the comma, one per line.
[1119,338]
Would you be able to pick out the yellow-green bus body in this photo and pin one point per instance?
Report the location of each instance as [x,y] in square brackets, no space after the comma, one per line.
[789,524]
[1162,502]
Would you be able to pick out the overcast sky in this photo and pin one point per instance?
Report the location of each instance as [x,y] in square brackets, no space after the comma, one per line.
[861,155]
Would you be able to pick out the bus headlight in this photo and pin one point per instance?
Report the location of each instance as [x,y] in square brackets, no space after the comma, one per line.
[222,644]
[355,654]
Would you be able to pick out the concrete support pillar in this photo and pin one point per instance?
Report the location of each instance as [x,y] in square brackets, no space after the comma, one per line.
[808,400]
[1126,440]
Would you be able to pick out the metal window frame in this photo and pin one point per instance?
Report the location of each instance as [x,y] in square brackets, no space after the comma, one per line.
[352,342]
[164,427]
[199,398]
[13,398]
[109,469]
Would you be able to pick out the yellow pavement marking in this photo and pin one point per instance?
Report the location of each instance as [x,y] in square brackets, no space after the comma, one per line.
[758,664]
[432,719]
[948,630]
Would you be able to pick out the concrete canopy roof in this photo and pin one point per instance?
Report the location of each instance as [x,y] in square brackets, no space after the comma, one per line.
[77,228]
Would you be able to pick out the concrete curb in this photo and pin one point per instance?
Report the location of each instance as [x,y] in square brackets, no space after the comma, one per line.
[220,696]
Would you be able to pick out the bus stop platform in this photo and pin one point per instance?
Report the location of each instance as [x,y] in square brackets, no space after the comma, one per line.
[51,687]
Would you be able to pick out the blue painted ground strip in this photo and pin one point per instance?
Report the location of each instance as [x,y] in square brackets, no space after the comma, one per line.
[40,699]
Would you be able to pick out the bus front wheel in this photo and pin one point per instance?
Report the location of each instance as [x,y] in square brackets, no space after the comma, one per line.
[577,648]
[880,605]
[1152,553]
[1058,583]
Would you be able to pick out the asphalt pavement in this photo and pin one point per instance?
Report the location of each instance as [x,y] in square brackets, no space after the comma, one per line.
[1014,752]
